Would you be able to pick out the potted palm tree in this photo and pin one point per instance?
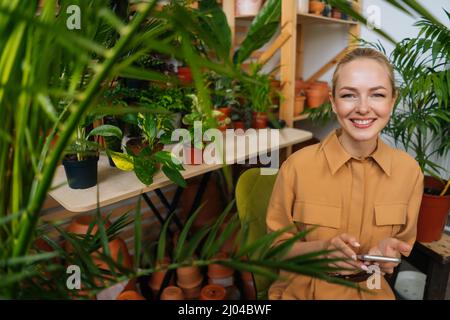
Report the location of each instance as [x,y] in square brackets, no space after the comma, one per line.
[260,96]
[421,120]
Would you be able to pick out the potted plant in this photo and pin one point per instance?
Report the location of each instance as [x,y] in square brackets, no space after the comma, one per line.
[223,97]
[316,7]
[421,117]
[193,152]
[259,95]
[81,156]
[145,153]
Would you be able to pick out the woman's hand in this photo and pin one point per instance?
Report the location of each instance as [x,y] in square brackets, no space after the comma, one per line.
[342,245]
[390,247]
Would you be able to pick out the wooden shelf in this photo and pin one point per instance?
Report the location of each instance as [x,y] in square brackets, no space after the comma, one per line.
[301,117]
[309,18]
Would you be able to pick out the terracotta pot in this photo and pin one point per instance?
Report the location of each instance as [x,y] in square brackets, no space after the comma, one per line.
[316,7]
[220,274]
[299,105]
[239,125]
[119,251]
[185,75]
[157,278]
[314,97]
[192,155]
[213,292]
[433,212]
[248,285]
[136,145]
[260,120]
[336,13]
[226,112]
[80,225]
[130,295]
[248,7]
[172,293]
[300,85]
[189,277]
[323,87]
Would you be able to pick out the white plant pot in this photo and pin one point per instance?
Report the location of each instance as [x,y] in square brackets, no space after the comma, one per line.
[248,7]
[410,285]
[302,6]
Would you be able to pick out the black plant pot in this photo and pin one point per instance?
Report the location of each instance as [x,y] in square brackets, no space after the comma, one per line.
[111,162]
[81,174]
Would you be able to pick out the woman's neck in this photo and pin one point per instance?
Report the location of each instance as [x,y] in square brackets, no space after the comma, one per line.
[357,149]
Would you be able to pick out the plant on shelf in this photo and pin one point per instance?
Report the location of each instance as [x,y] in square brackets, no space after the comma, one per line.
[145,153]
[260,95]
[224,91]
[81,156]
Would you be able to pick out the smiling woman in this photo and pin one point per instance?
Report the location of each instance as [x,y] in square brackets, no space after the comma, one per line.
[362,196]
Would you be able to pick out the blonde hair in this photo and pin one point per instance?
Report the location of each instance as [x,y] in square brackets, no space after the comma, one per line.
[365,53]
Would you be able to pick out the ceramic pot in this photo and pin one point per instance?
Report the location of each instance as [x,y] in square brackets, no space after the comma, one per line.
[248,285]
[260,120]
[213,292]
[239,125]
[80,225]
[226,112]
[157,278]
[299,105]
[433,212]
[136,145]
[185,75]
[314,97]
[248,7]
[190,280]
[81,174]
[316,7]
[130,295]
[300,86]
[172,293]
[336,13]
[119,254]
[220,274]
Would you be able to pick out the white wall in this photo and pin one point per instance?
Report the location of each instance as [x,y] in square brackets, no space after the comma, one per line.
[322,42]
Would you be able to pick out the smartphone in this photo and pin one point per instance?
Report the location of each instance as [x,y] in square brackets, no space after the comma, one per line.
[372,258]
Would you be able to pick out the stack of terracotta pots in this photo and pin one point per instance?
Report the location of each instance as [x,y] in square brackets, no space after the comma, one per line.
[190,280]
[221,275]
[157,277]
[117,247]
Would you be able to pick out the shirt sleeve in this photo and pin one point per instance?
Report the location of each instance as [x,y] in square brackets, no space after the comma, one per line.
[409,231]
[279,211]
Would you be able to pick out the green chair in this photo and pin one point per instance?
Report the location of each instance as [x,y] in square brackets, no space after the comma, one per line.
[253,192]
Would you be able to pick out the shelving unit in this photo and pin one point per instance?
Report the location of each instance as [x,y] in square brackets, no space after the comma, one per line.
[291,42]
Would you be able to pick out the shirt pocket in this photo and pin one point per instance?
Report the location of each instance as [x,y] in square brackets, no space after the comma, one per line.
[325,218]
[389,218]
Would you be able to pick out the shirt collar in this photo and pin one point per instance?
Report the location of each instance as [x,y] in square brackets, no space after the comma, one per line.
[337,156]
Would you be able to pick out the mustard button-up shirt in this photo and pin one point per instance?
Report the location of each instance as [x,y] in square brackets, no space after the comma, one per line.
[372,199]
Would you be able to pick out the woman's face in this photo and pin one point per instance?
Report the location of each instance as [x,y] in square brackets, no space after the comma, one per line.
[363,99]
